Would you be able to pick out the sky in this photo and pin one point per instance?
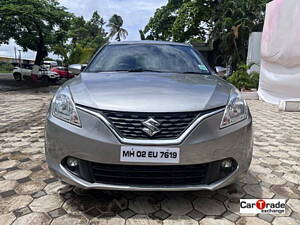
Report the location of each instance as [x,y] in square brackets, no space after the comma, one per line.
[135,13]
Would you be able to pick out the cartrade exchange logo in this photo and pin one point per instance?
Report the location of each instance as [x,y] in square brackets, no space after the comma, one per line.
[265,206]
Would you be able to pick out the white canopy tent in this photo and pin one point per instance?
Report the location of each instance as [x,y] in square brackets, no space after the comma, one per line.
[280,52]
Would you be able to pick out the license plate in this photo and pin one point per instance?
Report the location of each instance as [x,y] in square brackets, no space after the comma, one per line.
[149,154]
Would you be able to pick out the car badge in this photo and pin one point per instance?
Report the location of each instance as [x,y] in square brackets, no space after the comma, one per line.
[151,126]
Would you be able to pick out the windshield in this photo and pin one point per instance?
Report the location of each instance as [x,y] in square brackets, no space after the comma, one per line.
[148,57]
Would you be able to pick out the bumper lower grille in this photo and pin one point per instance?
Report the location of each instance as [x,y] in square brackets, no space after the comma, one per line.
[169,175]
[130,124]
[151,175]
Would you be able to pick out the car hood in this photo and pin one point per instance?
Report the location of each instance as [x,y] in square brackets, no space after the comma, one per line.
[150,92]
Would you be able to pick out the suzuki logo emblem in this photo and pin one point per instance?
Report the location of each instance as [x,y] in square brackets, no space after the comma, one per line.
[151,127]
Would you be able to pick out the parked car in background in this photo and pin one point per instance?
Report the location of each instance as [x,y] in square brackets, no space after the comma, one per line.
[50,64]
[25,72]
[63,72]
[22,72]
[147,116]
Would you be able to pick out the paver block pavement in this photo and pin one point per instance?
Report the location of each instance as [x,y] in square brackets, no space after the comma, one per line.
[29,194]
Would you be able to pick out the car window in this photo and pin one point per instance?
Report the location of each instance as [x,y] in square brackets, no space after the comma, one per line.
[154,57]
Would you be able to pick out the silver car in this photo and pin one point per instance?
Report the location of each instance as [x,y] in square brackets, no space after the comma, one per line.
[145,116]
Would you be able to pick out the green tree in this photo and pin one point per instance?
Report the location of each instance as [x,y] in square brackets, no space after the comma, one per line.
[115,23]
[161,24]
[224,24]
[193,20]
[86,38]
[37,25]
[142,35]
[89,33]
[78,31]
[234,21]
[62,50]
[81,54]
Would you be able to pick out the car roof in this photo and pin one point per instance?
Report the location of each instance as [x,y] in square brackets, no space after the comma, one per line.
[147,42]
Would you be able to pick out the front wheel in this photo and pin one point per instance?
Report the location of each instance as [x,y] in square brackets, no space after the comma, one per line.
[17,77]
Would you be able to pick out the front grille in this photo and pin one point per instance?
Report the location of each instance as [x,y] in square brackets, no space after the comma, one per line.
[166,175]
[130,124]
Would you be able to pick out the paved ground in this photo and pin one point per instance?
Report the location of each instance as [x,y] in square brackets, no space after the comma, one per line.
[30,195]
[7,83]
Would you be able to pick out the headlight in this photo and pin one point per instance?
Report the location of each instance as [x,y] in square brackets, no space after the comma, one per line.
[236,109]
[63,107]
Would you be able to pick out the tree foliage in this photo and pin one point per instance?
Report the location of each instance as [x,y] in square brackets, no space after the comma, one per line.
[89,33]
[225,24]
[44,26]
[80,54]
[37,25]
[160,25]
[233,23]
[85,38]
[115,23]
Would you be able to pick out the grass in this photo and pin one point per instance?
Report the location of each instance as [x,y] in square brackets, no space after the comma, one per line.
[6,68]
[5,72]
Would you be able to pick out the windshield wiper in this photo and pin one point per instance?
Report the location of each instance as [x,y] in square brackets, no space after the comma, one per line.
[144,70]
[103,71]
[130,70]
[193,72]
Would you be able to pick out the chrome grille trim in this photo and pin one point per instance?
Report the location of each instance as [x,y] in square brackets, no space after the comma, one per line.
[149,141]
[131,124]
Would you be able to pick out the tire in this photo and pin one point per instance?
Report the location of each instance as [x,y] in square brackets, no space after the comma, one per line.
[54,81]
[17,77]
[27,78]
[45,80]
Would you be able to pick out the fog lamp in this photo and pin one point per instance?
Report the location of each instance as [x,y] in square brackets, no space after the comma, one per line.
[227,163]
[72,163]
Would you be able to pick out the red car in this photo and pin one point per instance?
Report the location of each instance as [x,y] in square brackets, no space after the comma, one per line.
[63,72]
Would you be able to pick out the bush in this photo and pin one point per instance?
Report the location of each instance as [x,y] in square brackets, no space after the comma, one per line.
[242,79]
[6,67]
[81,55]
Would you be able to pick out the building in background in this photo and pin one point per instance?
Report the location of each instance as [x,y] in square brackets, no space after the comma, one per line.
[11,60]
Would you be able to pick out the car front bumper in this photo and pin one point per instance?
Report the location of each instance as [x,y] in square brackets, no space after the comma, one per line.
[95,142]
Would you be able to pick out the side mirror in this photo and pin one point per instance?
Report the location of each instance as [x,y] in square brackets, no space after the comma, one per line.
[75,68]
[221,71]
[83,66]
